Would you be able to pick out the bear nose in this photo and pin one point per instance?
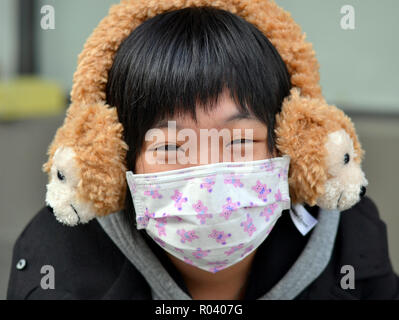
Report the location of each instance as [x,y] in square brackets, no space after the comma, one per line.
[362,191]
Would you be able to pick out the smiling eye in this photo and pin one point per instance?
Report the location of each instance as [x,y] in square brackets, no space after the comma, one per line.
[167,147]
[346,158]
[60,176]
[241,141]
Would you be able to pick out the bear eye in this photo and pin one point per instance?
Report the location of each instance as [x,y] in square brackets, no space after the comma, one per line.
[346,158]
[60,175]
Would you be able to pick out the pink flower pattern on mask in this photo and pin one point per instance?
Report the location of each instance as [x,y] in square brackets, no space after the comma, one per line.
[248,225]
[186,235]
[202,212]
[234,180]
[199,253]
[208,183]
[247,250]
[219,236]
[160,241]
[189,261]
[132,187]
[278,195]
[143,221]
[261,190]
[269,211]
[217,268]
[251,205]
[228,208]
[217,265]
[160,225]
[267,166]
[179,200]
[234,249]
[178,250]
[283,173]
[153,192]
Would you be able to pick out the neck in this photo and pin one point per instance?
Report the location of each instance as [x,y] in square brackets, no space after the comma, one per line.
[226,284]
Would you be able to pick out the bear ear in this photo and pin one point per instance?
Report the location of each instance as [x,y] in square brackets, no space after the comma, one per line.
[301,130]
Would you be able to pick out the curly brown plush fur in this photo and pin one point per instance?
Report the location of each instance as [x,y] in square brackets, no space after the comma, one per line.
[302,129]
[92,128]
[96,137]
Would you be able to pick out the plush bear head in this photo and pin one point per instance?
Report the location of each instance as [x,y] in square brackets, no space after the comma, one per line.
[326,155]
[87,169]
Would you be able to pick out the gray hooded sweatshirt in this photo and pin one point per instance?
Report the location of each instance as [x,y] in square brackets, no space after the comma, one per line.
[309,265]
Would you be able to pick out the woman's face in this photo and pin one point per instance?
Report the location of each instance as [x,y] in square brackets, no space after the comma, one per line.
[223,134]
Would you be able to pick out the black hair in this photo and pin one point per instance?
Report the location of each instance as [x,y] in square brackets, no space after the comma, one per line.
[177,59]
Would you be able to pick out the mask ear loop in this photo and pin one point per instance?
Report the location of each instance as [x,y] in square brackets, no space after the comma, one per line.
[102,185]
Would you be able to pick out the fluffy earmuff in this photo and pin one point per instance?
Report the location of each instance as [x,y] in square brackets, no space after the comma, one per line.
[326,154]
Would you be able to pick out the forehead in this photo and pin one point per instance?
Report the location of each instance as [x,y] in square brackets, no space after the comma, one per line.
[215,116]
[223,113]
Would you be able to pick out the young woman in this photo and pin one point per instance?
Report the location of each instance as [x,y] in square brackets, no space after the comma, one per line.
[202,69]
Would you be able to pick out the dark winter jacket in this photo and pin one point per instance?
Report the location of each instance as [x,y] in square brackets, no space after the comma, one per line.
[106,259]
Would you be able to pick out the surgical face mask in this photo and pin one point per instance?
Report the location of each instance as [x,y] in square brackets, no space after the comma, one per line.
[211,216]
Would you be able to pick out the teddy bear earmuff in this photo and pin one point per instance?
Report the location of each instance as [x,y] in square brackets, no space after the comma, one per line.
[86,164]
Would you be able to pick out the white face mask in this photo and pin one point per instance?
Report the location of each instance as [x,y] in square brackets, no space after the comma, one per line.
[212,216]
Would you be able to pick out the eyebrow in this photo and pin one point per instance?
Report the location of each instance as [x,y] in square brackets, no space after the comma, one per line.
[164,124]
[240,115]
